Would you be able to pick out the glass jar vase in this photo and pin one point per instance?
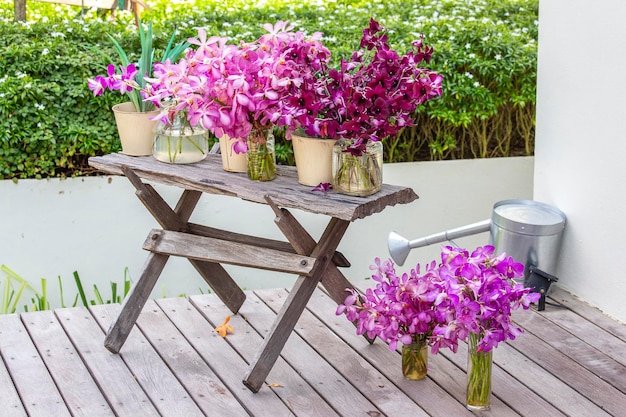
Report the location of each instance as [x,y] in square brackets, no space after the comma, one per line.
[479,364]
[261,155]
[357,169]
[415,360]
[179,142]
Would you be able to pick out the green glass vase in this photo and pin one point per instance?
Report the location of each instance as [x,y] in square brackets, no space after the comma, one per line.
[479,364]
[415,360]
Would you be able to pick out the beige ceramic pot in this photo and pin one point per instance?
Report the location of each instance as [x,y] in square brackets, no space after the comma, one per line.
[135,128]
[313,159]
[231,161]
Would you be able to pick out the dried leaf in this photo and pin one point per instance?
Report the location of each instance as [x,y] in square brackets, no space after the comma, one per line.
[224,328]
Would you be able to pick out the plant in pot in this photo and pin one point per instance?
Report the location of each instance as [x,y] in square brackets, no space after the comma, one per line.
[368,98]
[135,118]
[239,91]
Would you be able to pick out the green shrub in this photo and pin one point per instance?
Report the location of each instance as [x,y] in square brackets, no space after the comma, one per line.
[486,49]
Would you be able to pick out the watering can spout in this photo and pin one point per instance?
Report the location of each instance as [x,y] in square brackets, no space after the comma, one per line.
[400,247]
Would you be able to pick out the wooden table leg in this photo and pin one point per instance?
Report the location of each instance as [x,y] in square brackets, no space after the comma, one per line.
[134,302]
[333,280]
[221,283]
[213,274]
[170,219]
[294,306]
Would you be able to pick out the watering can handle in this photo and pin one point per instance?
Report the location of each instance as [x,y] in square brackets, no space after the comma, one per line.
[470,229]
[400,247]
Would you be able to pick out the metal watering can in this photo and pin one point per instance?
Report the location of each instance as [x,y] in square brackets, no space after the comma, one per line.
[529,231]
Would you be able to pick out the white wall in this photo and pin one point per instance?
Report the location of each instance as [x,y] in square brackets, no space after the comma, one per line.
[97,226]
[581,142]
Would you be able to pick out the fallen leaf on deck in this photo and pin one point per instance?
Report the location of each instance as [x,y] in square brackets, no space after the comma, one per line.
[224,328]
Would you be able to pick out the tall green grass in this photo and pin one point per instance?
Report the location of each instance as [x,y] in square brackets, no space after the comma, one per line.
[15,288]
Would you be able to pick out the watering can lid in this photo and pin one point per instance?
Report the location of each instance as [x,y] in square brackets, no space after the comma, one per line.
[528,217]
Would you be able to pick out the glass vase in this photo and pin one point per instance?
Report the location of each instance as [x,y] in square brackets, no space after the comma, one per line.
[415,360]
[261,156]
[179,142]
[358,173]
[478,394]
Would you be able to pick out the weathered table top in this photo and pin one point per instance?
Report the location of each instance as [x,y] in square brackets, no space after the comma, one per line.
[208,176]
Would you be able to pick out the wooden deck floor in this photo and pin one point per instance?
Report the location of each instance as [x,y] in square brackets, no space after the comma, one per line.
[571,361]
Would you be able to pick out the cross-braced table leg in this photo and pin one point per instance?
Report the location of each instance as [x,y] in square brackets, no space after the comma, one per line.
[170,219]
[303,243]
[294,305]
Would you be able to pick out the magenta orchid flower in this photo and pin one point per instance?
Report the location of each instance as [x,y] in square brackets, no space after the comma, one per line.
[465,293]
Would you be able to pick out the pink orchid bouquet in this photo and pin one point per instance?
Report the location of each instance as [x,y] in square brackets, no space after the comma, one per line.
[239,90]
[371,96]
[465,293]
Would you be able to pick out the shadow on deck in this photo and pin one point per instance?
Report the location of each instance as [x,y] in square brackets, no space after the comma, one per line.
[570,361]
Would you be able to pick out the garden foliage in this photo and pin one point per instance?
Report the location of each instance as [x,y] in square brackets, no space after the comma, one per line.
[50,123]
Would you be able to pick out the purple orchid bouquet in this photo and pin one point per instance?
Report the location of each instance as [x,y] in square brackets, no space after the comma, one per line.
[371,96]
[131,79]
[464,294]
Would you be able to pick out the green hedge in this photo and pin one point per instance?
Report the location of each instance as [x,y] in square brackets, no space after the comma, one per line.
[486,49]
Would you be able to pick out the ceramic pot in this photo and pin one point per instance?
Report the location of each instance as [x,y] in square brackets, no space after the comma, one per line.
[231,161]
[135,129]
[314,158]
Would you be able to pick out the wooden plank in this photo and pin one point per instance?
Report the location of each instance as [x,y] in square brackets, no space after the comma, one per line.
[26,366]
[593,359]
[508,388]
[11,403]
[217,353]
[378,389]
[117,383]
[71,376]
[206,389]
[222,251]
[568,370]
[542,382]
[585,310]
[297,393]
[151,372]
[442,393]
[209,177]
[221,283]
[332,279]
[187,203]
[338,259]
[346,399]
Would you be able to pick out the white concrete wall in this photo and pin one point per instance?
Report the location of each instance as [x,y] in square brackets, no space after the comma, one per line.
[581,142]
[96,226]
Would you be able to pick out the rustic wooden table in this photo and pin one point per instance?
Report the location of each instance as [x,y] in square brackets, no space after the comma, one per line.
[207,248]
